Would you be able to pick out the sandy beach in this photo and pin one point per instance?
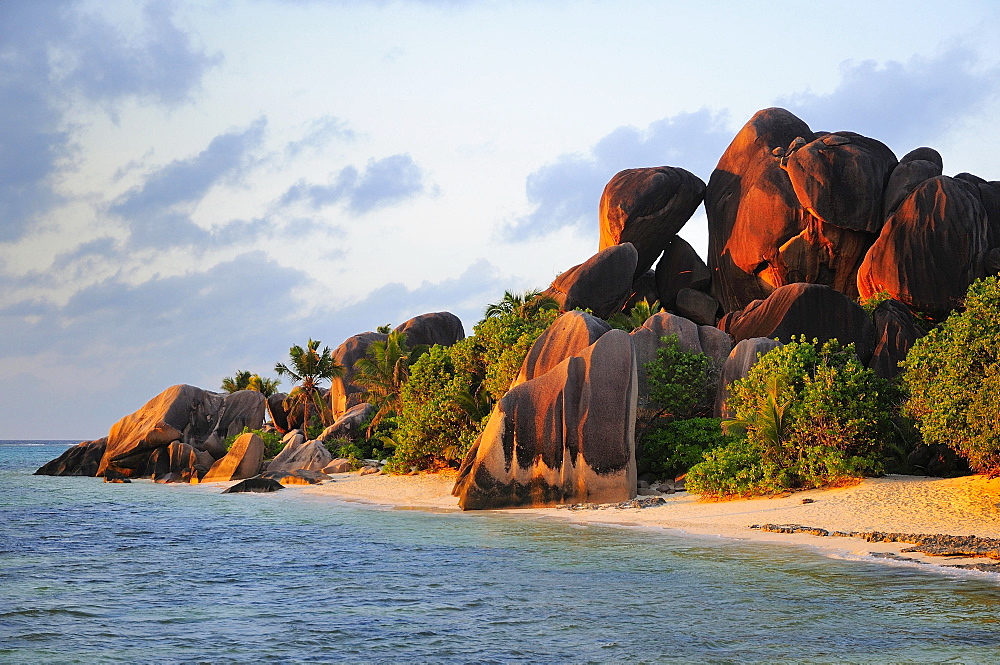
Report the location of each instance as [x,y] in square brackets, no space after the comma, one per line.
[967,506]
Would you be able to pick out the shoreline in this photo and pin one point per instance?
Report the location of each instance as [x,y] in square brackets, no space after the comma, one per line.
[966,506]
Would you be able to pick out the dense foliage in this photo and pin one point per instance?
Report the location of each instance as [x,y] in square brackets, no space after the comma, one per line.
[807,416]
[450,391]
[309,368]
[246,380]
[271,439]
[953,378]
[672,432]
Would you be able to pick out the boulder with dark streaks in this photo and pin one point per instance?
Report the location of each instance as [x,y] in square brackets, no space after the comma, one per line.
[915,167]
[737,366]
[568,335]
[566,436]
[680,267]
[175,462]
[442,328]
[895,331]
[601,284]
[83,459]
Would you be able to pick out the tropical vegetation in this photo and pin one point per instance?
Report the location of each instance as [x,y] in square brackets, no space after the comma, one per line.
[245,380]
[310,367]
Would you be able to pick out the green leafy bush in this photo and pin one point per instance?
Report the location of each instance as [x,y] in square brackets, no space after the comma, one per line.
[953,378]
[675,447]
[808,416]
[680,383]
[450,391]
[272,441]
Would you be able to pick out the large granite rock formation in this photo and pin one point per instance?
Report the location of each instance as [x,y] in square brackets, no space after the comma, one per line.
[813,310]
[786,204]
[83,459]
[931,249]
[243,460]
[744,355]
[180,413]
[568,335]
[601,284]
[349,425]
[647,207]
[442,328]
[565,436]
[276,409]
[343,393]
[298,454]
[243,409]
[175,462]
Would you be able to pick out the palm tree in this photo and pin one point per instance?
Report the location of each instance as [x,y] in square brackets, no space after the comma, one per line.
[382,373]
[528,302]
[309,367]
[637,316]
[770,424]
[240,381]
[266,387]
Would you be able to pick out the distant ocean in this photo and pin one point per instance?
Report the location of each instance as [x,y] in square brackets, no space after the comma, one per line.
[140,572]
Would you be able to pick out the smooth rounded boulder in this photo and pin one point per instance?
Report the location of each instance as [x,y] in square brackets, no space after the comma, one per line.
[244,460]
[571,333]
[442,328]
[309,455]
[647,207]
[601,284]
[931,249]
[343,393]
[680,267]
[737,366]
[813,310]
[566,436]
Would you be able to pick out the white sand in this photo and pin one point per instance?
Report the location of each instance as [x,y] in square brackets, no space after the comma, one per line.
[903,504]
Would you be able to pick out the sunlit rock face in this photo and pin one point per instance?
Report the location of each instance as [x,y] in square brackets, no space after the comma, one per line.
[932,247]
[813,310]
[175,462]
[568,335]
[647,207]
[442,328]
[300,454]
[83,459]
[244,460]
[565,436]
[181,413]
[786,204]
[602,283]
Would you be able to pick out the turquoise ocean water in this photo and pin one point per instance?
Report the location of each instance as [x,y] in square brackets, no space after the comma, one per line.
[140,572]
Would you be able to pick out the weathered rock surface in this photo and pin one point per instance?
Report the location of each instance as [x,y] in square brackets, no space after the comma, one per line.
[813,310]
[915,167]
[276,408]
[646,342]
[643,288]
[565,436]
[343,393]
[243,460]
[442,328]
[173,463]
[256,484]
[895,331]
[296,477]
[243,409]
[700,307]
[744,355]
[931,249]
[83,459]
[601,284]
[180,413]
[338,465]
[309,455]
[786,204]
[647,207]
[568,335]
[715,344]
[349,425]
[680,267]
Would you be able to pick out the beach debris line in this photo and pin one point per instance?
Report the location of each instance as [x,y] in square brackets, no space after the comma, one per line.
[638,502]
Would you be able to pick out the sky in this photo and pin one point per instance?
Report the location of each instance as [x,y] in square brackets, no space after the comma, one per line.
[190,188]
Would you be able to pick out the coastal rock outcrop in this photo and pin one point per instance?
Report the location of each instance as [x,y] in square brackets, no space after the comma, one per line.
[243,460]
[276,409]
[563,437]
[83,459]
[647,207]
[180,413]
[296,477]
[601,284]
[680,267]
[442,328]
[255,484]
[243,409]
[786,204]
[174,463]
[349,425]
[895,331]
[813,310]
[309,455]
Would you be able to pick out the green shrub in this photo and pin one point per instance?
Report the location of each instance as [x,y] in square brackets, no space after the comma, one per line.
[673,448]
[953,378]
[679,381]
[451,390]
[272,441]
[809,416]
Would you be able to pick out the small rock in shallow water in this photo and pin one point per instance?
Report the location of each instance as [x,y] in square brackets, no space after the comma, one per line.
[255,484]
